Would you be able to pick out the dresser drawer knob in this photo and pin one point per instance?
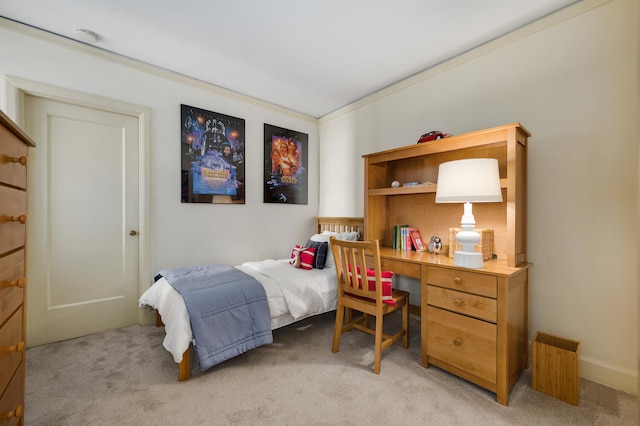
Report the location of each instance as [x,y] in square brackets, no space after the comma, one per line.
[457,342]
[22,219]
[15,348]
[457,302]
[15,283]
[457,280]
[22,160]
[13,413]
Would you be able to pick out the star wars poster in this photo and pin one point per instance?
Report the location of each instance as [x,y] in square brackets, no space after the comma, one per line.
[213,157]
[285,165]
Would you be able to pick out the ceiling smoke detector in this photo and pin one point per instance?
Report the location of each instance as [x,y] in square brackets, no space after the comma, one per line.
[86,36]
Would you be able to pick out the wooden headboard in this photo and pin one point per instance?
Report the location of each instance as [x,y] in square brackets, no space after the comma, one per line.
[340,224]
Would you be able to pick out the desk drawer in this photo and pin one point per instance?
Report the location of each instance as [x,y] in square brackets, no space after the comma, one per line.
[483,308]
[11,347]
[408,269]
[471,282]
[11,283]
[465,343]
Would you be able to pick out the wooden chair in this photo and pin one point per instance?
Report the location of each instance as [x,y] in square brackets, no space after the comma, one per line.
[351,257]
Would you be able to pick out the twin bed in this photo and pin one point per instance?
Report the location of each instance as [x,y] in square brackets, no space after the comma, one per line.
[279,294]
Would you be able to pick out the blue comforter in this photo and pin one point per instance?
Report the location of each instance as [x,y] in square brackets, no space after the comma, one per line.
[228,310]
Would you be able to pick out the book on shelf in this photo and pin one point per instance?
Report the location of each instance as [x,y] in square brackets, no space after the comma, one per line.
[407,238]
[397,236]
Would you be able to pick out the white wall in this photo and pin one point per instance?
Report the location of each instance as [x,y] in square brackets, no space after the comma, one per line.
[182,233]
[572,81]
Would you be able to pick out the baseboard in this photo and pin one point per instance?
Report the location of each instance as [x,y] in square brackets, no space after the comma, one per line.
[624,380]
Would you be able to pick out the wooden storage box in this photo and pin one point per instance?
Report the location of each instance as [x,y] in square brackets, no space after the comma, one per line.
[555,368]
[485,246]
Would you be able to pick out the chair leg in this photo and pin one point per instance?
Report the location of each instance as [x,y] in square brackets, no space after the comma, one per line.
[405,325]
[337,330]
[378,345]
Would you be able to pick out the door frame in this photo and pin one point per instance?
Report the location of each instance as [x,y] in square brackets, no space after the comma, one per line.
[14,91]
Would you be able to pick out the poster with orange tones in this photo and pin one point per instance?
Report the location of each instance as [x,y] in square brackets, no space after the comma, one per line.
[285,166]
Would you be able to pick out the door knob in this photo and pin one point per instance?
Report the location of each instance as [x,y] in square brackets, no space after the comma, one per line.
[133,233]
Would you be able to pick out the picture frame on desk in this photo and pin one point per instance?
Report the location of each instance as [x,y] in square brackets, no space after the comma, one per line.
[416,239]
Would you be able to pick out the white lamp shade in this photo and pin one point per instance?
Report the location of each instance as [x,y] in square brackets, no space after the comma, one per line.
[475,180]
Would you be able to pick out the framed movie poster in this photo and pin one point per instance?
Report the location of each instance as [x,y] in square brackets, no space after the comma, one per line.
[285,165]
[213,157]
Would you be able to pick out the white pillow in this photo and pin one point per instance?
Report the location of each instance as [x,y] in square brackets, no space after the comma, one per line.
[349,236]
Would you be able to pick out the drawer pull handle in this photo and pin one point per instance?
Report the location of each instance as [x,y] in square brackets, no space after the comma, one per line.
[15,283]
[13,413]
[22,219]
[457,342]
[457,280]
[22,160]
[457,302]
[15,348]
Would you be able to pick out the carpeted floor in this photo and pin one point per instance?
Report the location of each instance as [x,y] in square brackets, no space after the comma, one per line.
[125,377]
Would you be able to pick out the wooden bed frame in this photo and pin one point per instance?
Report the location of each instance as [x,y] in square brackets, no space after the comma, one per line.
[332,224]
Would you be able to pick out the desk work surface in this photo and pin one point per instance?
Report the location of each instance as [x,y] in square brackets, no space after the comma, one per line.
[493,266]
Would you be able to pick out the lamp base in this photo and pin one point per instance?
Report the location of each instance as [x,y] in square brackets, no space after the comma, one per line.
[465,259]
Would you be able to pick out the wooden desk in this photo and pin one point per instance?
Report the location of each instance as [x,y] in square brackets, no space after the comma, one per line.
[474,322]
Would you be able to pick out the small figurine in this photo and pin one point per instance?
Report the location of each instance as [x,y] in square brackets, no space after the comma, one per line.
[435,244]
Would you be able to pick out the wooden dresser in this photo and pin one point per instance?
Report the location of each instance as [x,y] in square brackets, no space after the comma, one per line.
[474,322]
[14,144]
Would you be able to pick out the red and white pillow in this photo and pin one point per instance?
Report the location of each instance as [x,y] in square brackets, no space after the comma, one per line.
[302,257]
[386,278]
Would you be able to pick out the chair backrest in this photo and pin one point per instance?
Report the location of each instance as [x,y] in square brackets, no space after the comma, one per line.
[351,258]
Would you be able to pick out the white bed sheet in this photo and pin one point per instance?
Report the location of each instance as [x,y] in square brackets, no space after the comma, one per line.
[293,294]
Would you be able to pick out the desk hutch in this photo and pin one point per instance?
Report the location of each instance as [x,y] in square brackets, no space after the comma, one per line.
[474,322]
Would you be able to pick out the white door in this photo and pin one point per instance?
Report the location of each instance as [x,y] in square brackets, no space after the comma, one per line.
[82,258]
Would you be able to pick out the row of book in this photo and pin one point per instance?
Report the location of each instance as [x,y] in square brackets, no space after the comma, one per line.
[407,238]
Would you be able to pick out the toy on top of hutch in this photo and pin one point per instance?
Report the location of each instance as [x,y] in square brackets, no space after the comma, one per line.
[14,144]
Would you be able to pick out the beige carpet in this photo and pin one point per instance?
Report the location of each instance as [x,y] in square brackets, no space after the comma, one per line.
[125,377]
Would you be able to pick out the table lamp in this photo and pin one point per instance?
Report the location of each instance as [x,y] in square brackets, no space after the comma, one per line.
[473,180]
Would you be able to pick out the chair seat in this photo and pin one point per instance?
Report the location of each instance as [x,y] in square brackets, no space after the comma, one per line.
[399,297]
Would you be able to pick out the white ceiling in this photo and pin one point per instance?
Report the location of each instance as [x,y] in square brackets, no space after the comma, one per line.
[310,56]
